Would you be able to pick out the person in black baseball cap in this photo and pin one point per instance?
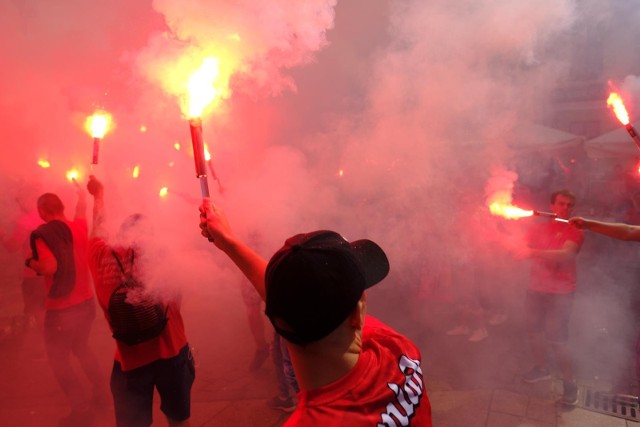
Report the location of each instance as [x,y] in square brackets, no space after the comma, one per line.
[351,367]
[316,280]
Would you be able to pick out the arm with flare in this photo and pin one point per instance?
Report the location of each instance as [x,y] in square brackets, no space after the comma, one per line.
[96,189]
[81,206]
[616,230]
[215,227]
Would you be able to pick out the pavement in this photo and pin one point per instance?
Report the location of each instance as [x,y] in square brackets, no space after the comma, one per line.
[469,384]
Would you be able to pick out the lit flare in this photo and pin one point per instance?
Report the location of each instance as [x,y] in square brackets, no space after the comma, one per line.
[509,211]
[73,175]
[97,125]
[201,93]
[200,86]
[615,101]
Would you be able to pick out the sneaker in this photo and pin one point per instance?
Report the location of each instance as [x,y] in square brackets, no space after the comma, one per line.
[459,330]
[536,374]
[283,404]
[479,334]
[259,357]
[570,393]
[497,319]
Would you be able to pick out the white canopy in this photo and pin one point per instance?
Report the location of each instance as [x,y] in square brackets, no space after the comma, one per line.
[617,143]
[534,137]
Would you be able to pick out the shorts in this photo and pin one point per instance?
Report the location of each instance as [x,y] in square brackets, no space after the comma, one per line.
[133,390]
[549,313]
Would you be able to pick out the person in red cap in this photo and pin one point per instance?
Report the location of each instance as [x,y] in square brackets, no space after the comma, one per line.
[352,369]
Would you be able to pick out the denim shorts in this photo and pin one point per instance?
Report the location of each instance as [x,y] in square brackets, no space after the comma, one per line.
[133,390]
[549,313]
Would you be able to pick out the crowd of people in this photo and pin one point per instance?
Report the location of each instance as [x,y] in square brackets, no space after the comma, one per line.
[334,362]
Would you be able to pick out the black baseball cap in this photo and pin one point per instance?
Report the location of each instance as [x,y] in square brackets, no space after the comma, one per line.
[315,281]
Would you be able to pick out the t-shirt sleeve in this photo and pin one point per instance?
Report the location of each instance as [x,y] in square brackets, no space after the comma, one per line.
[576,236]
[97,247]
[43,250]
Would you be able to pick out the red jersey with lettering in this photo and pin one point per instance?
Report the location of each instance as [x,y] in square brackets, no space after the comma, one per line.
[385,387]
[554,277]
[82,289]
[107,276]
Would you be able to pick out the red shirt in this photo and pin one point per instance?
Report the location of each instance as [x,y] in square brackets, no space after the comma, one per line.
[554,277]
[107,276]
[385,384]
[82,290]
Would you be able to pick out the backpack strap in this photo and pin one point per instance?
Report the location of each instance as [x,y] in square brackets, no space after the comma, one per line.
[115,255]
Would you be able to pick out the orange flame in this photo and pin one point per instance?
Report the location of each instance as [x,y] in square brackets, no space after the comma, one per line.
[509,211]
[200,86]
[615,101]
[98,124]
[500,204]
[44,164]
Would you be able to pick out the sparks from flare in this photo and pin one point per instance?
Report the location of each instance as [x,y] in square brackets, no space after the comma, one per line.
[44,164]
[207,156]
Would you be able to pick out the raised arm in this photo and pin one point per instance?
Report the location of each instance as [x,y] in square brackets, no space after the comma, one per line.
[81,205]
[617,230]
[214,226]
[96,189]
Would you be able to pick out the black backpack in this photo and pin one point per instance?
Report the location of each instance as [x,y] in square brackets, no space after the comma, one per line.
[135,315]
